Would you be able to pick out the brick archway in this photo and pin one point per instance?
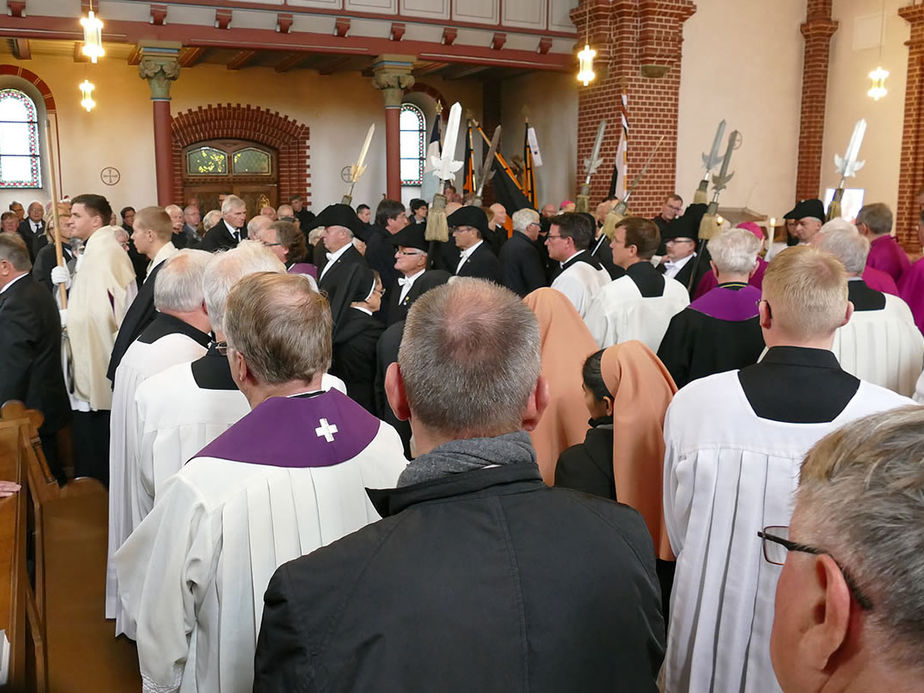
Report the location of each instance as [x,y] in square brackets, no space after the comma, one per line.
[288,137]
[32,78]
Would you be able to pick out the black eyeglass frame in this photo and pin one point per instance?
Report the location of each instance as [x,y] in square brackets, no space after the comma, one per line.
[865,602]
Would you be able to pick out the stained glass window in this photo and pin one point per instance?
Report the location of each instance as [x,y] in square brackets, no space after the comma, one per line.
[251,160]
[412,144]
[20,163]
[206,161]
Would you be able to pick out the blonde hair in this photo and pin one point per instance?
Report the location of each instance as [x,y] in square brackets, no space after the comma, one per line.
[806,290]
[280,325]
[157,220]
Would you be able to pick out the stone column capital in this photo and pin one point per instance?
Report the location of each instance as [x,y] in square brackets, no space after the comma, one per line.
[392,75]
[159,65]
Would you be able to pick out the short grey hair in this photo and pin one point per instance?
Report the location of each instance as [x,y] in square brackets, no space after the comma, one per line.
[734,251]
[469,358]
[178,285]
[227,268]
[280,325]
[210,219]
[232,202]
[170,209]
[13,250]
[523,218]
[848,246]
[861,498]
[877,216]
[258,223]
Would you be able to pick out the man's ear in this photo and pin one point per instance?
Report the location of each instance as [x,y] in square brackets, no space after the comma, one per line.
[715,272]
[827,614]
[766,316]
[848,314]
[394,392]
[538,402]
[240,372]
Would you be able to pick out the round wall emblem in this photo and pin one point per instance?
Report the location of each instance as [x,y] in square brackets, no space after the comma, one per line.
[110,175]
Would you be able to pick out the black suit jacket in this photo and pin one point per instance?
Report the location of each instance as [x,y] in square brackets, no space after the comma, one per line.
[683,276]
[34,241]
[397,311]
[522,265]
[220,237]
[330,278]
[30,345]
[483,263]
[45,260]
[139,315]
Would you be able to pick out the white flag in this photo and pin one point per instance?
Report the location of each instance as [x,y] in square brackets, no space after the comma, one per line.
[534,146]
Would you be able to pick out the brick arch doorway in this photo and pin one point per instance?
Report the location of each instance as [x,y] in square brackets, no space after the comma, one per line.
[236,127]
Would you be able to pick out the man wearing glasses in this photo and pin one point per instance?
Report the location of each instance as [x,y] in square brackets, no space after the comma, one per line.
[411,263]
[519,256]
[469,227]
[670,210]
[734,443]
[582,276]
[850,599]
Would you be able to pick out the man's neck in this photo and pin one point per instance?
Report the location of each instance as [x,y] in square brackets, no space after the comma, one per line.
[626,264]
[414,273]
[258,393]
[730,278]
[153,250]
[772,339]
[195,318]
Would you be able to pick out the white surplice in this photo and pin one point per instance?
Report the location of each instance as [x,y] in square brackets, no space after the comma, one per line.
[194,572]
[728,474]
[141,361]
[883,347]
[619,313]
[580,282]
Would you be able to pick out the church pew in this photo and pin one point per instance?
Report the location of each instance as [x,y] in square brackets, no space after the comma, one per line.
[69,526]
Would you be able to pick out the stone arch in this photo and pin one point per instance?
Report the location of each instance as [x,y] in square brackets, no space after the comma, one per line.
[32,78]
[226,121]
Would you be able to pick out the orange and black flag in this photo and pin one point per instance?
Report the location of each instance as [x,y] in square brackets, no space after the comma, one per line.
[468,172]
[507,189]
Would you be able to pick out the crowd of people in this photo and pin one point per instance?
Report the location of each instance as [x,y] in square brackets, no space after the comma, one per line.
[546,454]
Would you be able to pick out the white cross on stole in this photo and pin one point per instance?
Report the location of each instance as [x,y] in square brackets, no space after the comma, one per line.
[326,430]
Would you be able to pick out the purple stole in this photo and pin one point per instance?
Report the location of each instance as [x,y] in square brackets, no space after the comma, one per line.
[729,304]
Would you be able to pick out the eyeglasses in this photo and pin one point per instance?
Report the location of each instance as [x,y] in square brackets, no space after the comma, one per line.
[221,348]
[380,290]
[550,236]
[410,253]
[776,546]
[462,229]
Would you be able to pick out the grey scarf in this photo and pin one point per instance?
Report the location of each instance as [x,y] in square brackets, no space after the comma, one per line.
[459,456]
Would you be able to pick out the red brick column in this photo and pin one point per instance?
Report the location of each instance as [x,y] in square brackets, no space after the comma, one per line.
[638,44]
[911,173]
[817,30]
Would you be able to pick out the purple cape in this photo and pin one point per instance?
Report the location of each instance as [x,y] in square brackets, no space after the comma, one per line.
[319,431]
[733,305]
[912,291]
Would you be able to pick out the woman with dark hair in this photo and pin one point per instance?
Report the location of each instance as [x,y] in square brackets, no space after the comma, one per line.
[293,248]
[356,333]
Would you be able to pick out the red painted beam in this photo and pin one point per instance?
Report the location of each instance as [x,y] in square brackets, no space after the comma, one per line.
[449,35]
[191,56]
[158,15]
[120,31]
[17,7]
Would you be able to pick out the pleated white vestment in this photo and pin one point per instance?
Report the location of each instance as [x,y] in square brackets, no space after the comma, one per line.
[728,474]
[619,312]
[883,347]
[580,282]
[289,477]
[165,342]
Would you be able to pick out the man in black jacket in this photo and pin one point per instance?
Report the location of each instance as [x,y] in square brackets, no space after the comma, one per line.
[230,231]
[32,229]
[469,227]
[30,344]
[480,577]
[519,257]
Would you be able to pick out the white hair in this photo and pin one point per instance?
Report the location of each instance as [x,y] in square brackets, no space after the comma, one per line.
[734,251]
[227,268]
[232,202]
[210,219]
[170,209]
[178,286]
[523,218]
[837,224]
[848,246]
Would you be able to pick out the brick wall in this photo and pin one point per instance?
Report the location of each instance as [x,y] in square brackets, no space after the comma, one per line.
[288,137]
[817,30]
[627,35]
[911,175]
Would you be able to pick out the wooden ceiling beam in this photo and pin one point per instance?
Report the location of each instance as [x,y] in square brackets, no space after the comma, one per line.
[429,68]
[463,71]
[330,65]
[241,60]
[290,61]
[191,55]
[21,49]
[134,58]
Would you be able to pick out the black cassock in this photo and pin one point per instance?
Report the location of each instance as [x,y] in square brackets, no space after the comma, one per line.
[588,466]
[719,331]
[354,358]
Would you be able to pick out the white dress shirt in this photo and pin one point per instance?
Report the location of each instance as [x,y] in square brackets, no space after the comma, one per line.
[672,268]
[466,254]
[332,258]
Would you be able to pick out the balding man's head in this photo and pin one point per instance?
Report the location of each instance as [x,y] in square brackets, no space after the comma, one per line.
[469,359]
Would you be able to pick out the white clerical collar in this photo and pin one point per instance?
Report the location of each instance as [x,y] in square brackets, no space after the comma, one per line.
[571,258]
[364,310]
[12,281]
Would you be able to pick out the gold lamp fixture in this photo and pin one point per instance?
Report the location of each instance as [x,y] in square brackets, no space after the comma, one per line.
[86,92]
[878,89]
[92,36]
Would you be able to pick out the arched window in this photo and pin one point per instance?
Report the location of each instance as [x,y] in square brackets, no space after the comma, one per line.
[413,132]
[20,166]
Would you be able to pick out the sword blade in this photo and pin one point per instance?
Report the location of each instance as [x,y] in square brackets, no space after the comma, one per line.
[358,170]
[591,164]
[488,161]
[713,158]
[641,173]
[445,167]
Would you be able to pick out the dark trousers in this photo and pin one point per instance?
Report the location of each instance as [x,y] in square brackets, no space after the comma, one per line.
[91,445]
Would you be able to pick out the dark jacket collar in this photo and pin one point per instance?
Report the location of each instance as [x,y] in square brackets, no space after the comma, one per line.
[503,480]
[165,324]
[801,356]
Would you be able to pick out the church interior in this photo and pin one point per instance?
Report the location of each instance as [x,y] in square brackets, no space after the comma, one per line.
[191,101]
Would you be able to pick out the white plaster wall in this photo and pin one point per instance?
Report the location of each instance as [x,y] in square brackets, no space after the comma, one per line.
[551,98]
[847,100]
[119,132]
[742,61]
